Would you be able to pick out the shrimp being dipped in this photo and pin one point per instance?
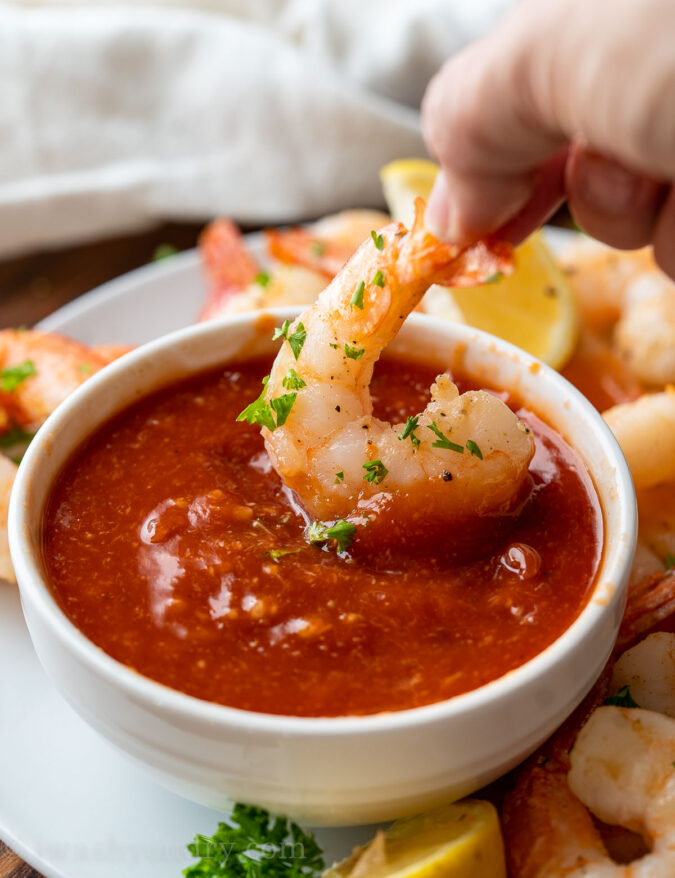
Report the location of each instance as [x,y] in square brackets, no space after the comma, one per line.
[462,456]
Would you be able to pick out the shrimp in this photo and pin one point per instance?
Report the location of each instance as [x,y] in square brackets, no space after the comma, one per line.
[548,828]
[327,244]
[645,430]
[39,370]
[236,282]
[7,473]
[462,456]
[229,267]
[648,669]
[645,332]
[622,768]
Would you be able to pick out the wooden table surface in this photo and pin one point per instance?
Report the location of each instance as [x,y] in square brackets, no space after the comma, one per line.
[33,286]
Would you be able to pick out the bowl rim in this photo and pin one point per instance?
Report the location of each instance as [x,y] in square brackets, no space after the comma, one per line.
[33,586]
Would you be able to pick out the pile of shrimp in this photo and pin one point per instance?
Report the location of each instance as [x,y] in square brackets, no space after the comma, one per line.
[598,799]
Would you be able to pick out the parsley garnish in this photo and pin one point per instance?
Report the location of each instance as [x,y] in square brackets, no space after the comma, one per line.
[11,377]
[409,431]
[375,471]
[493,278]
[163,251]
[378,280]
[443,441]
[15,436]
[669,561]
[282,406]
[256,845]
[281,331]
[275,554]
[85,368]
[296,339]
[342,532]
[354,353]
[262,278]
[357,298]
[474,449]
[378,240]
[293,381]
[334,346]
[623,698]
[262,412]
[318,248]
[339,477]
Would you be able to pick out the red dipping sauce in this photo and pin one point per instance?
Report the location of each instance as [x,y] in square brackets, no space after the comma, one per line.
[170,542]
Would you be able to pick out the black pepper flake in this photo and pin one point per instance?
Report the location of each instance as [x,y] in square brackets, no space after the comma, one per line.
[364,426]
[550,291]
[447,477]
[337,408]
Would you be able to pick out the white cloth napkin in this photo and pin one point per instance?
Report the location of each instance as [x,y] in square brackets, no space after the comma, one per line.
[112,117]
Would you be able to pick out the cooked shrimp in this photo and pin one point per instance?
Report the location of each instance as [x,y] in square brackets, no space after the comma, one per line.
[326,245]
[39,370]
[622,768]
[645,430]
[600,277]
[237,284]
[648,669]
[548,831]
[463,455]
[7,473]
[645,332]
[229,266]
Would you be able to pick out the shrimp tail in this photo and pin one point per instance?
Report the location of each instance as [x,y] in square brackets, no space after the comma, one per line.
[229,266]
[474,265]
[650,603]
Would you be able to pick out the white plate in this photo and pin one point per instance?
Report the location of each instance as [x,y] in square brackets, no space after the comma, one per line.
[70,804]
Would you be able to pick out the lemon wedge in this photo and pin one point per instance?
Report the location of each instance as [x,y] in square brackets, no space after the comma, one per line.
[462,840]
[533,308]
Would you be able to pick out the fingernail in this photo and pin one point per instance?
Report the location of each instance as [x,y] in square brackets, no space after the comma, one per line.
[437,213]
[607,186]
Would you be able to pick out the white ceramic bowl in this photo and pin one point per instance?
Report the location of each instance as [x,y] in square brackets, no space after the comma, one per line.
[324,770]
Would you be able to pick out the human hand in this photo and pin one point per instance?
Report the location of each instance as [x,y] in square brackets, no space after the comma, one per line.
[566,98]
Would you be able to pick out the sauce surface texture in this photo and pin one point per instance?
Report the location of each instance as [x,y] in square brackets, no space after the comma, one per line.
[170,542]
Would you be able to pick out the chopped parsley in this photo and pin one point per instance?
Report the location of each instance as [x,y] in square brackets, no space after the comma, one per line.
[334,346]
[281,331]
[262,278]
[474,449]
[669,561]
[357,298]
[293,381]
[296,339]
[493,278]
[378,280]
[378,240]
[164,251]
[318,248]
[354,353]
[275,554]
[623,698]
[282,406]
[409,431]
[339,477]
[253,844]
[375,471]
[15,442]
[342,532]
[443,441]
[261,412]
[11,377]
[85,368]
